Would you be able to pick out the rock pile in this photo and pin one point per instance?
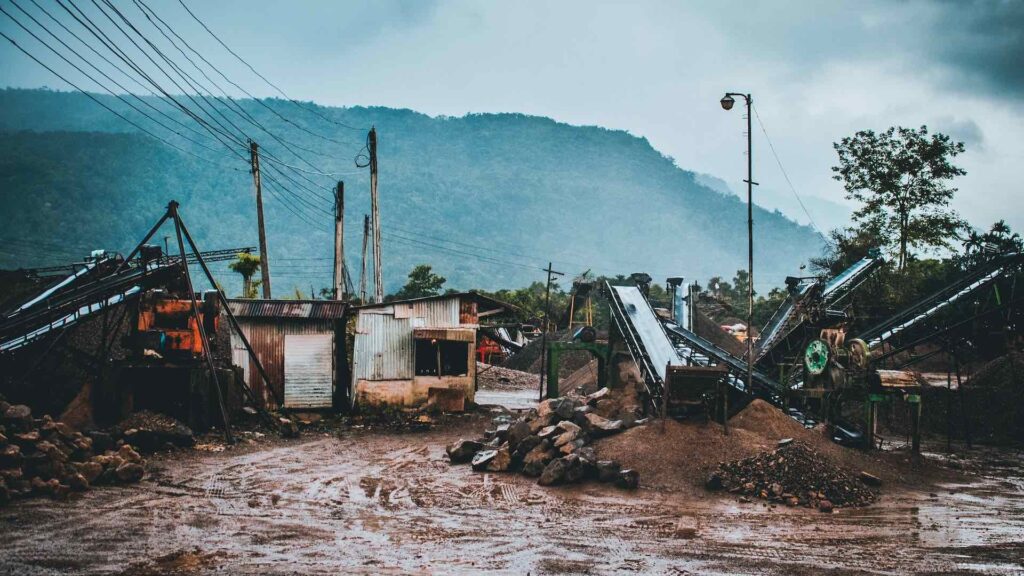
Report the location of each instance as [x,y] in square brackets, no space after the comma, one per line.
[45,457]
[549,443]
[795,475]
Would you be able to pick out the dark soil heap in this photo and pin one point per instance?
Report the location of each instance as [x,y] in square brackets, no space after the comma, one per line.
[796,475]
[152,431]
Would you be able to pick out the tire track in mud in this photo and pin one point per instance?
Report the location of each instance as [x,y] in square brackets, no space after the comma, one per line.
[379,503]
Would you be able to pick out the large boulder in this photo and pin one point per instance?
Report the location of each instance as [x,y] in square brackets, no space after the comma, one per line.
[601,426]
[569,433]
[537,458]
[11,456]
[554,472]
[492,460]
[517,432]
[608,470]
[130,472]
[462,451]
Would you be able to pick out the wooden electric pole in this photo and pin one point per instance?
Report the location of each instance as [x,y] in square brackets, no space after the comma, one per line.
[339,242]
[254,158]
[378,273]
[544,336]
[362,273]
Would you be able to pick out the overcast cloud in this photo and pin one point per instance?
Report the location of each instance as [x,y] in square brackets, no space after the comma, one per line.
[818,71]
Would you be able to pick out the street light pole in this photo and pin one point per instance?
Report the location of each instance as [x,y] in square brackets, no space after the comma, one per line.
[727,102]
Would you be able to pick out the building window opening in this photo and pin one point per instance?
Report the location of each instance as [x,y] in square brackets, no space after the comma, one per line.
[442,358]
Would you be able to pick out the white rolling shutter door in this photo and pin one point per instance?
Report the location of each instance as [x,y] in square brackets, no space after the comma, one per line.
[308,370]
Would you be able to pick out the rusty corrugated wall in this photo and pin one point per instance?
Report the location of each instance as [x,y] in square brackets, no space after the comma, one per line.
[266,335]
[384,334]
[383,347]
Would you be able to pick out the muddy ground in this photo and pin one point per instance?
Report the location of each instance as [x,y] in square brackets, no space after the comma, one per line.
[378,502]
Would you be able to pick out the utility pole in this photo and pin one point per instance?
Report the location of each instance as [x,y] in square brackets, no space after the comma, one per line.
[727,103]
[378,273]
[362,273]
[339,242]
[544,334]
[254,158]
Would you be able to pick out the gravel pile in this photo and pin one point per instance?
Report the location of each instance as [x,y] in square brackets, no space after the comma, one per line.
[795,475]
[494,377]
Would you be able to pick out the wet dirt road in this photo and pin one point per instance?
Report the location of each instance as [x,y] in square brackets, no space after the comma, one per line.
[383,503]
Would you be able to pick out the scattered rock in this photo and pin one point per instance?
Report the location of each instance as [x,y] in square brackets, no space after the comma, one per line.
[825,506]
[289,429]
[608,470]
[130,472]
[629,479]
[870,479]
[463,451]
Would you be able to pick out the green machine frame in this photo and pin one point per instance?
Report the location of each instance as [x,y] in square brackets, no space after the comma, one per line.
[600,351]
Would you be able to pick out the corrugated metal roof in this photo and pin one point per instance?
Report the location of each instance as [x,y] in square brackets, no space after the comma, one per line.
[312,309]
[484,303]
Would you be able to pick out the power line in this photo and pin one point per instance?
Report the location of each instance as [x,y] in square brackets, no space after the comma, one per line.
[112,46]
[94,99]
[107,60]
[786,176]
[264,78]
[90,77]
[185,78]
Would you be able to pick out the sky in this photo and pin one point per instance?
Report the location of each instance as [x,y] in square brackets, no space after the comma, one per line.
[817,71]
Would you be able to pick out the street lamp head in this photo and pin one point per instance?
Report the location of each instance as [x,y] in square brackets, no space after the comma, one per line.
[727,102]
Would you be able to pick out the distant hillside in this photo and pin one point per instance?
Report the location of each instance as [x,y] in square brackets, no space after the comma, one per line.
[487,199]
[827,214]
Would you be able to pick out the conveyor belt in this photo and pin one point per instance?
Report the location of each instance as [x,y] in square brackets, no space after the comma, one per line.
[644,335]
[64,309]
[935,303]
[711,354]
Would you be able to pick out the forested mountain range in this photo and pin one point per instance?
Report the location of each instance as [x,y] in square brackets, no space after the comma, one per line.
[486,199]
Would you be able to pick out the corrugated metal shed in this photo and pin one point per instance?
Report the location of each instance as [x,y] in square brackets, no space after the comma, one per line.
[266,323]
[266,335]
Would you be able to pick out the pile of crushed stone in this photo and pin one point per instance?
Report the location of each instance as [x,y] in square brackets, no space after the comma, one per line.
[795,475]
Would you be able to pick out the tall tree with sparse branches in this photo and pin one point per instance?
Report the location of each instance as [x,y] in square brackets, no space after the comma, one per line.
[902,177]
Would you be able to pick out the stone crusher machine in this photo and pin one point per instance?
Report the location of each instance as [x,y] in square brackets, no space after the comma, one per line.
[838,365]
[171,324]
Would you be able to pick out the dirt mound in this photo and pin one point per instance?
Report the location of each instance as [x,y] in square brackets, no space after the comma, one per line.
[682,455]
[767,421]
[796,475]
[679,455]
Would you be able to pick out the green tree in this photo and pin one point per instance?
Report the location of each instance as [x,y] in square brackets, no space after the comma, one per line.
[422,282]
[901,176]
[980,247]
[247,265]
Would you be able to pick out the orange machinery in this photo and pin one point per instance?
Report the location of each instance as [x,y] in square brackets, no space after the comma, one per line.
[166,324]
